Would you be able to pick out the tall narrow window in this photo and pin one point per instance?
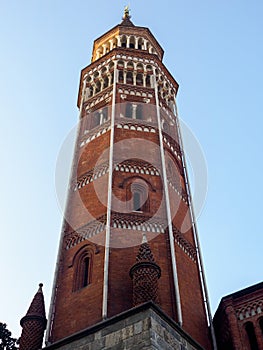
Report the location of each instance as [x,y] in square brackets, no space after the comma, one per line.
[261,325]
[129,78]
[137,201]
[82,269]
[140,198]
[85,272]
[251,336]
[128,111]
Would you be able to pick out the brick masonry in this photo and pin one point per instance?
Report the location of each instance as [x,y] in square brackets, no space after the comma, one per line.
[237,311]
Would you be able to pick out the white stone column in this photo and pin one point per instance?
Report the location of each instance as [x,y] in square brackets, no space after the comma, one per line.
[124,77]
[128,41]
[134,108]
[110,78]
[134,78]
[136,42]
[144,79]
[118,41]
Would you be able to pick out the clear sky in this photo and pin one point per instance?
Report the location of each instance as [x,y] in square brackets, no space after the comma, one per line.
[214,50]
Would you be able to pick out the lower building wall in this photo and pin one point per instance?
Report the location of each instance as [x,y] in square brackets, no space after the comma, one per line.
[141,328]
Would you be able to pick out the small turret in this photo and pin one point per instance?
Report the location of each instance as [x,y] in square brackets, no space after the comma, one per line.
[34,323]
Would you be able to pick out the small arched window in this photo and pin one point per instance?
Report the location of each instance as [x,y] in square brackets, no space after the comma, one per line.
[140,44]
[132,42]
[129,78]
[140,200]
[82,269]
[251,336]
[123,41]
[148,80]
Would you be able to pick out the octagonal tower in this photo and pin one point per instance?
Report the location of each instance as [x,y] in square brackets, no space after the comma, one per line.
[128,185]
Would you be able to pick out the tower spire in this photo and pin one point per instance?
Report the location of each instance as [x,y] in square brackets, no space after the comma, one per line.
[126,19]
[34,323]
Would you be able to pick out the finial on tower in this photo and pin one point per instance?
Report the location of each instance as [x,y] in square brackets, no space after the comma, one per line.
[126,12]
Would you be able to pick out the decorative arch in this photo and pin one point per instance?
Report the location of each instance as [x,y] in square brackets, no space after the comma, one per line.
[124,41]
[132,42]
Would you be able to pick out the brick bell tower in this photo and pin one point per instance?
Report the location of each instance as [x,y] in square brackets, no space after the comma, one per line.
[128,236]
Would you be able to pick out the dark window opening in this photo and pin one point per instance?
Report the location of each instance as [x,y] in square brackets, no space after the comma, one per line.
[85,272]
[137,201]
[139,46]
[148,81]
[123,44]
[128,112]
[120,76]
[132,46]
[251,336]
[261,325]
[129,78]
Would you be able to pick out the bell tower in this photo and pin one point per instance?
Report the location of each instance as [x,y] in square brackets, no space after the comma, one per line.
[128,235]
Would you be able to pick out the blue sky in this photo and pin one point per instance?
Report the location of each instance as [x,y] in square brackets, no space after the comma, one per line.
[213,49]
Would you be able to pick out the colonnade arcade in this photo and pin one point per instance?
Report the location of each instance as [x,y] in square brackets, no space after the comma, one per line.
[125,41]
[130,72]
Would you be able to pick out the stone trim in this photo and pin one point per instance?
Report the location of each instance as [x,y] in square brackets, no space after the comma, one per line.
[145,325]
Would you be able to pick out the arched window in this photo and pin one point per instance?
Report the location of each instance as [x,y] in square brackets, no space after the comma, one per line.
[137,202]
[82,269]
[129,78]
[140,44]
[139,67]
[140,201]
[251,336]
[98,87]
[105,82]
[132,42]
[148,80]
[130,65]
[120,76]
[123,41]
[139,80]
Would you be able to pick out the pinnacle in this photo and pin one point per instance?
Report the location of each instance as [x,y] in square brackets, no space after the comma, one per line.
[37,307]
[145,253]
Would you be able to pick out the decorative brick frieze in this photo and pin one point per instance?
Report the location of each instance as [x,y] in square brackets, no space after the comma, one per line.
[183,243]
[250,309]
